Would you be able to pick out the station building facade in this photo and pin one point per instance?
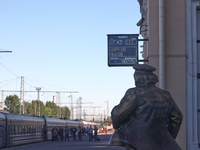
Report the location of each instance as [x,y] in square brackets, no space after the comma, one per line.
[172,28]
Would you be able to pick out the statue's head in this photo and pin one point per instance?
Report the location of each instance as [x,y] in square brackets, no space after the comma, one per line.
[144,74]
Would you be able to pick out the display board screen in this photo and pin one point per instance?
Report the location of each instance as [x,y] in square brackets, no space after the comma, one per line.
[122,49]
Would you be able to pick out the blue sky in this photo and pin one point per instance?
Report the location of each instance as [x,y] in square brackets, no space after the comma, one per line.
[61,45]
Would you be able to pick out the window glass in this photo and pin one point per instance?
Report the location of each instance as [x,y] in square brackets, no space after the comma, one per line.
[11,130]
[1,132]
[29,129]
[26,130]
[23,129]
[14,130]
[20,130]
[34,130]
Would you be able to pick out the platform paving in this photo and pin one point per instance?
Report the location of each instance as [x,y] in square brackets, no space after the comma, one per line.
[71,145]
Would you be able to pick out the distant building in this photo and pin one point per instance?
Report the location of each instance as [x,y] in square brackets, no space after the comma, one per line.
[54,100]
[178,63]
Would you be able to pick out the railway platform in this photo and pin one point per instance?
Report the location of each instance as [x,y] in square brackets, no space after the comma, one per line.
[71,145]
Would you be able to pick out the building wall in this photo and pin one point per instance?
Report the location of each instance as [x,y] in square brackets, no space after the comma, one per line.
[182,33]
[176,59]
[175,62]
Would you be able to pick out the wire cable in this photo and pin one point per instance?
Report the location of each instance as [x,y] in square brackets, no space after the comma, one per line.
[47,84]
[9,70]
[7,83]
[7,80]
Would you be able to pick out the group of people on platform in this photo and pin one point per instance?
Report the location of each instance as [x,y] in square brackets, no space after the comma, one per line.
[64,133]
[56,133]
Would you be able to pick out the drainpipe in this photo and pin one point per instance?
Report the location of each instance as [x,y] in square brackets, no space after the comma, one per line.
[162,44]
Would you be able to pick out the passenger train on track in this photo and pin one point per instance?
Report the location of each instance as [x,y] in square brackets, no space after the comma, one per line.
[22,129]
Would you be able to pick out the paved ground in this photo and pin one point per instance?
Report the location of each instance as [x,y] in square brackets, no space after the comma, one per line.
[71,145]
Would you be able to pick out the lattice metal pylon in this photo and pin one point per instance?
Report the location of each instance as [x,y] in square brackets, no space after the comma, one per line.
[79,108]
[59,106]
[22,95]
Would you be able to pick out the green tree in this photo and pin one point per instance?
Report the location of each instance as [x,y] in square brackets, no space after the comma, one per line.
[34,108]
[65,112]
[53,107]
[48,112]
[12,104]
[28,110]
[42,109]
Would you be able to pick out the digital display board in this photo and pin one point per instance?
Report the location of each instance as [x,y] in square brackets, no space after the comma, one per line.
[122,49]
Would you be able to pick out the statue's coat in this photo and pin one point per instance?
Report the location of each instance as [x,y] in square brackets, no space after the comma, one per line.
[148,118]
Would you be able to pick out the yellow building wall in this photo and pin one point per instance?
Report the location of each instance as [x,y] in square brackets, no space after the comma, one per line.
[175,53]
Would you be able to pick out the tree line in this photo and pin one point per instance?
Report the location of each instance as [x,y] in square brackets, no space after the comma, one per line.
[50,109]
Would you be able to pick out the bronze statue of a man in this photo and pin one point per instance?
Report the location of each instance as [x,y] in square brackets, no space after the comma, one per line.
[147,117]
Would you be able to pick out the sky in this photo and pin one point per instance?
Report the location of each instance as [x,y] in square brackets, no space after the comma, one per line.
[61,45]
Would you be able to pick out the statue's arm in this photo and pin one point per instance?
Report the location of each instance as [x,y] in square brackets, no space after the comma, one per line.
[120,114]
[175,119]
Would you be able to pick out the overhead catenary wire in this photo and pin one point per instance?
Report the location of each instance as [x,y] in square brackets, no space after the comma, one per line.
[8,83]
[8,80]
[9,70]
[33,80]
[44,92]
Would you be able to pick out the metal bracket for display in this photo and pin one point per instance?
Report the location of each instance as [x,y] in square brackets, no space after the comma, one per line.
[143,39]
[145,60]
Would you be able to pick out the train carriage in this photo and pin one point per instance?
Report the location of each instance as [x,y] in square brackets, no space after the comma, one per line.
[2,130]
[76,124]
[22,129]
[53,123]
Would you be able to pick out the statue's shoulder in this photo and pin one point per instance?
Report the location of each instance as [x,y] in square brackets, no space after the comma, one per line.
[131,91]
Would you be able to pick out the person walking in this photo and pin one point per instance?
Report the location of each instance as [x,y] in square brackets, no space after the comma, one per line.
[53,135]
[90,131]
[61,133]
[87,131]
[84,131]
[74,133]
[95,132]
[79,134]
[66,133]
[71,131]
[56,134]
